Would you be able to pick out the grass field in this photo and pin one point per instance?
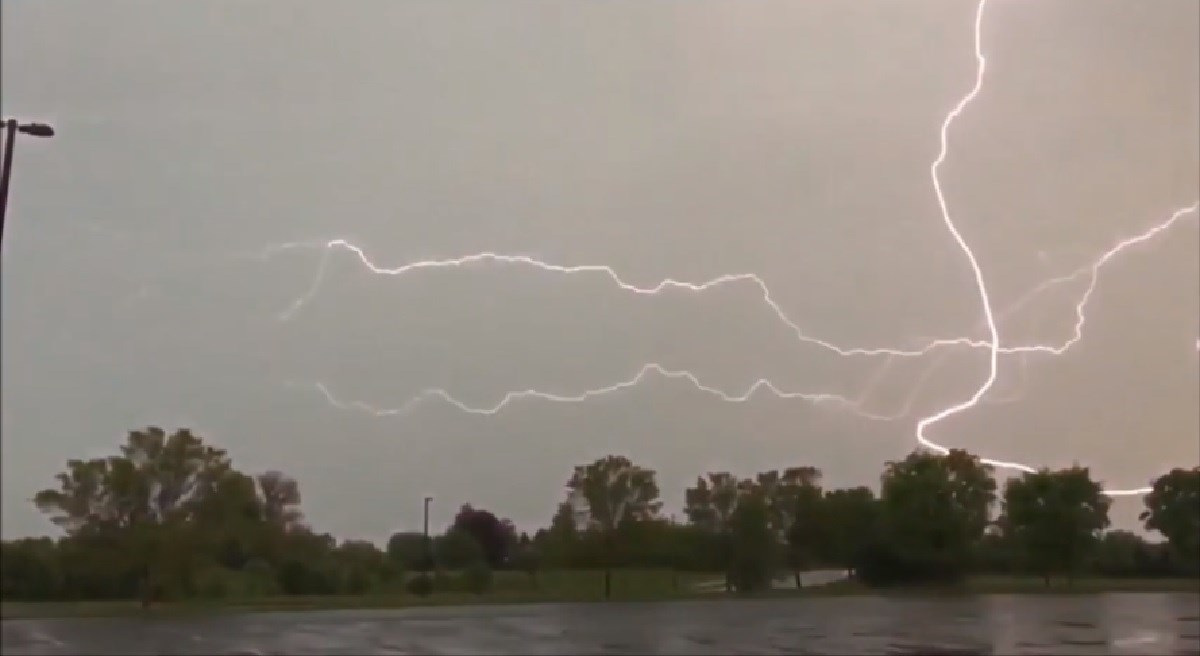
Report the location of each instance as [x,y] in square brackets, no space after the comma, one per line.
[1088,585]
[582,586]
[507,587]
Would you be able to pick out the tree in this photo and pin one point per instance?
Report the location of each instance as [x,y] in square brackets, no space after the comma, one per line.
[753,544]
[310,565]
[229,521]
[1121,553]
[495,537]
[407,550]
[710,506]
[30,569]
[155,485]
[363,567]
[457,549]
[934,508]
[281,500]
[781,490]
[850,517]
[559,544]
[1173,509]
[809,528]
[527,559]
[615,490]
[1055,517]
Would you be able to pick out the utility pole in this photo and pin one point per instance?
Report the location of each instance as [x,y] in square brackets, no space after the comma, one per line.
[11,128]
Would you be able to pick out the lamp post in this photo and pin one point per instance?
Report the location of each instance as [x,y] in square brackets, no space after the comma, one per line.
[428,544]
[11,128]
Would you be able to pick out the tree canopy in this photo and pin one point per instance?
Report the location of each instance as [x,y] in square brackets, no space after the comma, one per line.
[1173,509]
[1055,518]
[169,517]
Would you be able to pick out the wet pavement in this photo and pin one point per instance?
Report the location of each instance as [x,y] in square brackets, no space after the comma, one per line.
[993,624]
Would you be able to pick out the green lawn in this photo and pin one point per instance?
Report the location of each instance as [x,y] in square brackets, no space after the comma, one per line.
[582,586]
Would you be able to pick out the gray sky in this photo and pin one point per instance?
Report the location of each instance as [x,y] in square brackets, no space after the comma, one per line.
[664,139]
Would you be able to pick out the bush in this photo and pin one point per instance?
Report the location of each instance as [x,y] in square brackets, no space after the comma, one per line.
[420,585]
[478,577]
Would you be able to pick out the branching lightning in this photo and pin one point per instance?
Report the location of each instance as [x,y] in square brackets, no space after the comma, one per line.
[981,286]
[993,344]
[669,283]
[1092,271]
[994,347]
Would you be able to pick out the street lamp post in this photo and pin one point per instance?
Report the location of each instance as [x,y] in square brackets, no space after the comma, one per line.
[11,128]
[428,544]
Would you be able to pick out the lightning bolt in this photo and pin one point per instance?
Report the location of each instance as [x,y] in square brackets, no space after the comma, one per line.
[992,344]
[994,348]
[980,284]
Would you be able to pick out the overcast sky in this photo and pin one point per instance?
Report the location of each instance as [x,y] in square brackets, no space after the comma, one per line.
[665,139]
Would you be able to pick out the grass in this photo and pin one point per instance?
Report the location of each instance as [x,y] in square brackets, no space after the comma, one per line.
[1085,585]
[580,586]
[507,587]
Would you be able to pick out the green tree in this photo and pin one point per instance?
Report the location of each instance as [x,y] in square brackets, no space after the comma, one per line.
[30,569]
[934,509]
[615,490]
[1056,518]
[753,544]
[1173,509]
[456,549]
[781,491]
[850,517]
[406,550]
[809,530]
[142,497]
[528,559]
[710,505]
[280,495]
[1120,553]
[363,567]
[310,565]
[228,522]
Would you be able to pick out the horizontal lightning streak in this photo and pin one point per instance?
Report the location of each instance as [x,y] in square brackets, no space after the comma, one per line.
[642,374]
[764,385]
[669,283]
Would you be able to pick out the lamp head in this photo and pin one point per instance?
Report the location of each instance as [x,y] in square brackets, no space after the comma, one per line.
[36,129]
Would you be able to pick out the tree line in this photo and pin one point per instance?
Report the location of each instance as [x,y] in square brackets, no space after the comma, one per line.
[169,517]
